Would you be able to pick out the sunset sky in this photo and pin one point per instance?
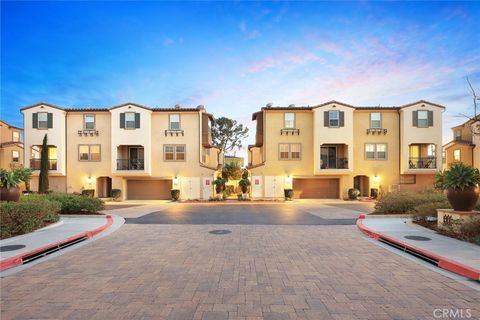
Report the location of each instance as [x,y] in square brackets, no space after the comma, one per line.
[236,57]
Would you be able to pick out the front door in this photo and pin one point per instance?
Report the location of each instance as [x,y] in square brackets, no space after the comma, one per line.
[328,157]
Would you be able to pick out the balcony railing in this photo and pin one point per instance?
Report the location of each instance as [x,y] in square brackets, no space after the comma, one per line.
[174,132]
[86,132]
[130,164]
[291,131]
[35,164]
[422,163]
[334,163]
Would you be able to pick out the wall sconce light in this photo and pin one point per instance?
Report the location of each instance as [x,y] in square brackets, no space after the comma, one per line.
[175,180]
[376,179]
[89,180]
[288,182]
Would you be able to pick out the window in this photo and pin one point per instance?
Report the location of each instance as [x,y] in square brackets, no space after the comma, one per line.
[175,152]
[333,118]
[89,121]
[375,120]
[89,152]
[376,151]
[36,155]
[407,179]
[15,156]
[289,120]
[458,135]
[130,120]
[16,136]
[444,157]
[422,118]
[456,155]
[289,151]
[42,120]
[174,120]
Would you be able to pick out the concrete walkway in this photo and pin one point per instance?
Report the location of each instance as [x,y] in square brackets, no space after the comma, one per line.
[462,252]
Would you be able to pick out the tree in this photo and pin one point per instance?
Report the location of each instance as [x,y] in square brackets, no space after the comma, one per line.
[227,134]
[43,177]
[231,171]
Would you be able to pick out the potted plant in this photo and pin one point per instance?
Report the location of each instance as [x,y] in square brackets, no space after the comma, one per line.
[288,194]
[353,193]
[175,194]
[25,175]
[116,194]
[9,181]
[244,184]
[460,183]
[219,184]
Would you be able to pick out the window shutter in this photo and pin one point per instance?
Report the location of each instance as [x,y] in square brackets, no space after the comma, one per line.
[342,119]
[326,119]
[49,120]
[430,118]
[415,119]
[35,120]
[122,120]
[137,120]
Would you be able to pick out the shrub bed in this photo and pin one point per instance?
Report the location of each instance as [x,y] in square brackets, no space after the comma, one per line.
[30,213]
[77,204]
[405,202]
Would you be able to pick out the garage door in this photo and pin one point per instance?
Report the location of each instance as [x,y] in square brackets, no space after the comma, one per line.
[149,189]
[316,188]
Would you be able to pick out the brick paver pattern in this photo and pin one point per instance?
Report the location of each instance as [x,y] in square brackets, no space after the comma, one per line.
[256,272]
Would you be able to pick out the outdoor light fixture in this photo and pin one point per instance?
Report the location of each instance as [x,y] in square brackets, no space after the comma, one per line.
[288,182]
[376,179]
[175,180]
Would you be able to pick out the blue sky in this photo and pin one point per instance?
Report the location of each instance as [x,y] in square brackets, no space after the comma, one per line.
[235,57]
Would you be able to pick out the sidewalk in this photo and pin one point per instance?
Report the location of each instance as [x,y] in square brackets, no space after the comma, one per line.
[70,229]
[451,254]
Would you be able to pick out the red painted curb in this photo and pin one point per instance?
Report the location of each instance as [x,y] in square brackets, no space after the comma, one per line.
[443,262]
[18,259]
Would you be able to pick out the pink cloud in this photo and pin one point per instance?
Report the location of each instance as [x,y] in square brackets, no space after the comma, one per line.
[284,61]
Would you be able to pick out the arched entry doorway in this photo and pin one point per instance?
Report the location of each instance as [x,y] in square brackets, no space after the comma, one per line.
[104,187]
[362,183]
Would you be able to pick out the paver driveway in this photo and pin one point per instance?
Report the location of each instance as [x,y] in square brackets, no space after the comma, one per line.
[176,271]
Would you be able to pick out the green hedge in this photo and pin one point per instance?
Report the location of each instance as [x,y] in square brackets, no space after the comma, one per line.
[30,213]
[405,202]
[77,204]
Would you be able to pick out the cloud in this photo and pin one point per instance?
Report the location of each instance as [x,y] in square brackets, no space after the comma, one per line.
[248,34]
[284,61]
[168,41]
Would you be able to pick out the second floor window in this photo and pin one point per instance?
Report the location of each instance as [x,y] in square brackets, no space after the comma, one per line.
[129,120]
[174,152]
[334,118]
[16,136]
[15,156]
[174,121]
[88,152]
[376,151]
[423,118]
[458,135]
[456,155]
[42,120]
[375,120]
[289,151]
[289,120]
[89,122]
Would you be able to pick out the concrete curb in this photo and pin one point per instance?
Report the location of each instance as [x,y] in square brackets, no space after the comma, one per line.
[443,262]
[18,259]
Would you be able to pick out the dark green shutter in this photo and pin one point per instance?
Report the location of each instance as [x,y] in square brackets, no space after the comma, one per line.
[326,119]
[122,120]
[49,120]
[342,119]
[137,120]
[415,118]
[430,118]
[35,120]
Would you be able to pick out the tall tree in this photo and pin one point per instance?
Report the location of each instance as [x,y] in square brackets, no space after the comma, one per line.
[43,177]
[227,134]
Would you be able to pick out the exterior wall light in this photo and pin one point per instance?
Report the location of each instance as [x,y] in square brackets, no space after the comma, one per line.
[288,184]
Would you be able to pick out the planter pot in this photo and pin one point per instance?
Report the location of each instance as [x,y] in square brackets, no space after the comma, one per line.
[244,189]
[463,200]
[175,194]
[288,193]
[10,194]
[219,188]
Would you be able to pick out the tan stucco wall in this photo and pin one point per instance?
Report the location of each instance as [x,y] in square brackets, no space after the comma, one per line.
[6,132]
[6,157]
[79,171]
[466,154]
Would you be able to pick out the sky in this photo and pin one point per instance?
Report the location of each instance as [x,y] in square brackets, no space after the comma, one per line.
[235,57]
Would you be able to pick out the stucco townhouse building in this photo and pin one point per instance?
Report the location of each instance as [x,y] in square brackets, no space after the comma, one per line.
[465,146]
[322,151]
[145,152]
[11,146]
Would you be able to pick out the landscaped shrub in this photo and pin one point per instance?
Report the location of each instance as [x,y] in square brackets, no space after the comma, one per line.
[470,230]
[428,210]
[402,202]
[116,194]
[30,213]
[77,204]
[88,193]
[353,193]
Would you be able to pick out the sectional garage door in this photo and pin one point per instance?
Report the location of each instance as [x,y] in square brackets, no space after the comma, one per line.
[149,189]
[316,188]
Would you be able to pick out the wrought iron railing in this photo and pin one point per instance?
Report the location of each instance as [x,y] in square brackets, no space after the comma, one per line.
[130,164]
[422,163]
[35,164]
[334,163]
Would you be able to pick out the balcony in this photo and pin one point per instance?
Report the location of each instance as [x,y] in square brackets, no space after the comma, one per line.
[174,132]
[422,163]
[130,164]
[288,131]
[35,164]
[334,163]
[87,132]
